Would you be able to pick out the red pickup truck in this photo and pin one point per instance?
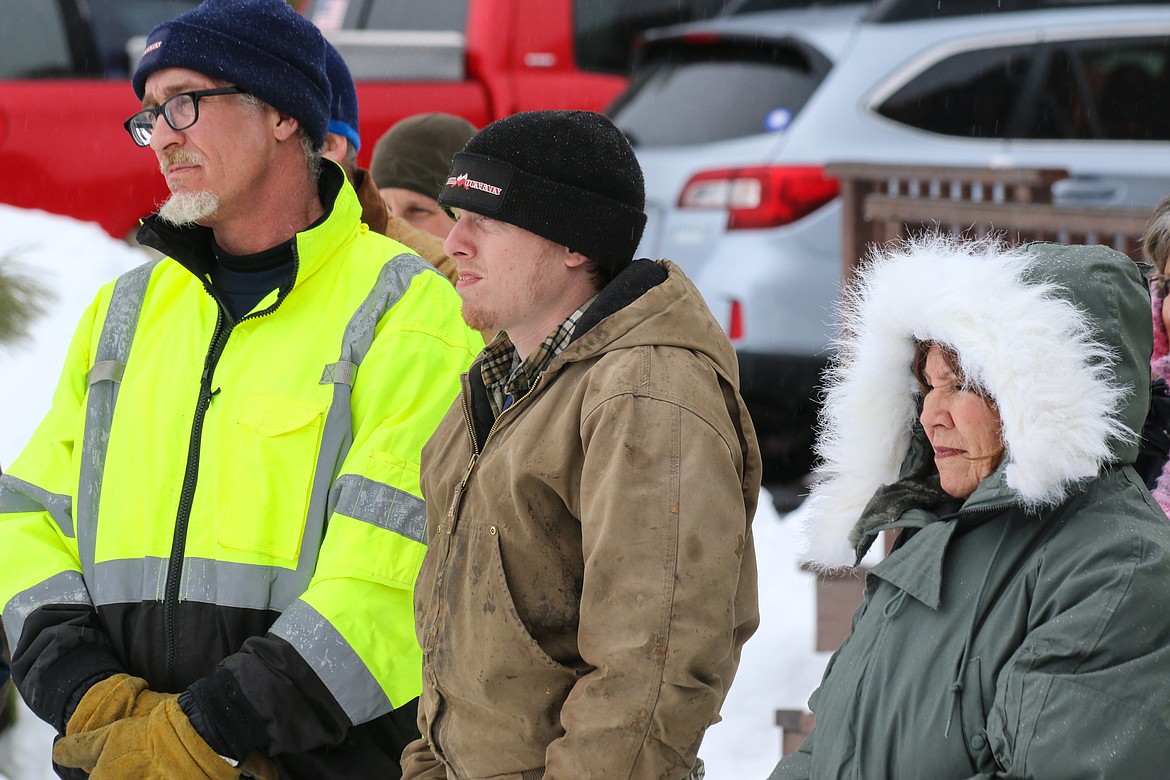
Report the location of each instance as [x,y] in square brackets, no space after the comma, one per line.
[64,79]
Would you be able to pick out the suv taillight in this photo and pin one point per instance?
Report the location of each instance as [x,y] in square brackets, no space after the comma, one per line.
[760,196]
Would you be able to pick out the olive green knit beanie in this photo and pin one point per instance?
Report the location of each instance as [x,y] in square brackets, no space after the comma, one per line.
[415,154]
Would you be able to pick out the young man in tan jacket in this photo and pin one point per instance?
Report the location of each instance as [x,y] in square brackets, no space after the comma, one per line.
[590,577]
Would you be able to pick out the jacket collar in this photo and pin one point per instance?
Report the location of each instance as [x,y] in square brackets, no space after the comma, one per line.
[634,281]
[917,568]
[191,245]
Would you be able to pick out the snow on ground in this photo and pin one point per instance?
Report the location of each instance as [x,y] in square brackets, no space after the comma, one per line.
[779,669]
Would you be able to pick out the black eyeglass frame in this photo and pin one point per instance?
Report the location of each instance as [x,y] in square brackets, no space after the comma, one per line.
[148,117]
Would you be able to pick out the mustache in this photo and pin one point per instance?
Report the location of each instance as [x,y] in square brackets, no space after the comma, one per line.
[178,157]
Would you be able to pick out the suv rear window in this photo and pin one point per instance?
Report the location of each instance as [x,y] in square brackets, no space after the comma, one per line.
[716,90]
[1101,89]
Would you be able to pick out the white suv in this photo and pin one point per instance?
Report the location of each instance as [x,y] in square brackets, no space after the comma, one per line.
[733,120]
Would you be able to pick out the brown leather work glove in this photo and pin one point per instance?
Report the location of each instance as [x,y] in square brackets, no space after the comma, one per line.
[114,698]
[260,767]
[160,746]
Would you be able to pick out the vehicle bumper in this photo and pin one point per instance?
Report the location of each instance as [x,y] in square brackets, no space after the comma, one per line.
[782,393]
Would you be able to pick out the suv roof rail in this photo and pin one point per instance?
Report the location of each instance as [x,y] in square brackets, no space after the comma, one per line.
[907,10]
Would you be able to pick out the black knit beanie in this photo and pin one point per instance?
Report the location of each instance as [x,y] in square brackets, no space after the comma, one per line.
[415,154]
[262,46]
[569,176]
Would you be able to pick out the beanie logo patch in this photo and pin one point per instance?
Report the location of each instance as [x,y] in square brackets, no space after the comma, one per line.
[471,184]
[476,184]
[152,47]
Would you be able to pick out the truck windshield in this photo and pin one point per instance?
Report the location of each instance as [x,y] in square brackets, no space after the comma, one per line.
[604,30]
[115,22]
[432,15]
[77,40]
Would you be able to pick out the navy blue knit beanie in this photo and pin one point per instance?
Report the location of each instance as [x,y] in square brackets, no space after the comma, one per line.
[261,46]
[569,176]
[343,110]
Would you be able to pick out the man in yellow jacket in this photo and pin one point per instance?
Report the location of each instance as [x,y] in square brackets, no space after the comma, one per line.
[208,549]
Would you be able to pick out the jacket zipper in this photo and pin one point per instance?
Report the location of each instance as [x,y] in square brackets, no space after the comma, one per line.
[219,341]
[187,496]
[457,497]
[453,519]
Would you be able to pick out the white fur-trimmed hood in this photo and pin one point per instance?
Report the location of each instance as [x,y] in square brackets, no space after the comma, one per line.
[1041,328]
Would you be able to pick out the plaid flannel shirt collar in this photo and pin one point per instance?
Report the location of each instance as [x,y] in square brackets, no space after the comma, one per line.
[507,378]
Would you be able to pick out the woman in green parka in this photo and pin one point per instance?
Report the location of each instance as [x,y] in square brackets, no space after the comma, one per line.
[984,408]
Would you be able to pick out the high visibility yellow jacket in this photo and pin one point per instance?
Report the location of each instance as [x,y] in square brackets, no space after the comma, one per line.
[233,508]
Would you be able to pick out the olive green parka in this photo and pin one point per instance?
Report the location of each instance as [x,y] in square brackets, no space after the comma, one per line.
[1023,632]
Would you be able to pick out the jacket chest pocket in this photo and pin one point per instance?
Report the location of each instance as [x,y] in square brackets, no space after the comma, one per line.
[269,465]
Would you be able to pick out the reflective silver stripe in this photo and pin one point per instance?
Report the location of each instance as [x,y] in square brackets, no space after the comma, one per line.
[66,587]
[222,583]
[16,495]
[106,370]
[382,505]
[315,638]
[337,437]
[113,347]
[334,661]
[341,372]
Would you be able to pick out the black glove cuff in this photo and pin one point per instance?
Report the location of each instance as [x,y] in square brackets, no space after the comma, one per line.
[222,715]
[62,685]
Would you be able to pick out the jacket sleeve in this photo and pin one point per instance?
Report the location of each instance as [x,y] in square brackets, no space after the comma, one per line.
[1093,671]
[58,645]
[346,650]
[669,594]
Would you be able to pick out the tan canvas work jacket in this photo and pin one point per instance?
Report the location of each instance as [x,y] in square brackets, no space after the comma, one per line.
[590,577]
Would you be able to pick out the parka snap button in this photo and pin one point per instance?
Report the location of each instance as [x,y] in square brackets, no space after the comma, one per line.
[492,530]
[978,742]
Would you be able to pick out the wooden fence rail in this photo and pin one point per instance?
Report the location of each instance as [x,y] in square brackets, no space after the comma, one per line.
[884,202]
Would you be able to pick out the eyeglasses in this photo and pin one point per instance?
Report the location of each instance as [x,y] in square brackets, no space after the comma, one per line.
[180,111]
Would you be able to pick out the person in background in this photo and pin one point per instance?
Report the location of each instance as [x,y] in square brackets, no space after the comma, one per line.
[1153,461]
[1156,251]
[208,548]
[590,575]
[342,143]
[409,166]
[985,407]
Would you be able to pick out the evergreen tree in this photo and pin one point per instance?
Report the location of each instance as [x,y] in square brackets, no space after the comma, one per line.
[22,300]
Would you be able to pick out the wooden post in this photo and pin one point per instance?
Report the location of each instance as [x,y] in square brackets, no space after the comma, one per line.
[794,727]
